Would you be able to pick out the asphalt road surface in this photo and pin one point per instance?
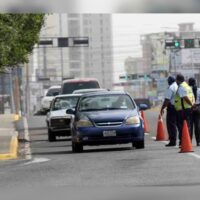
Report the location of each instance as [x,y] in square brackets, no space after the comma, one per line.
[100,172]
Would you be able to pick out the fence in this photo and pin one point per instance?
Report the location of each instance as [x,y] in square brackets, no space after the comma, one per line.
[10,92]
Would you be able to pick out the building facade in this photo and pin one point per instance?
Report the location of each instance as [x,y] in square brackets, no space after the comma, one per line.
[97,59]
[49,65]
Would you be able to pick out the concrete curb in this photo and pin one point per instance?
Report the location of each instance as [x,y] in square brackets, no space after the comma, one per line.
[13,150]
[16,117]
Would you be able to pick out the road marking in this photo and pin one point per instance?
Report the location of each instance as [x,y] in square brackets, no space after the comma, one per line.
[27,148]
[37,160]
[190,154]
[194,155]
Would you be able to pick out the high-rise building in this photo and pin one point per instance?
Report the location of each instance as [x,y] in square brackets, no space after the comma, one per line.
[96,60]
[49,65]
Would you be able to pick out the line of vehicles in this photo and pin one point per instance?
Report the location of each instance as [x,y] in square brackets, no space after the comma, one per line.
[94,116]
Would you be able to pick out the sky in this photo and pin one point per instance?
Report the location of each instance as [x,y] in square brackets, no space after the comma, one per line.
[102,6]
[127,29]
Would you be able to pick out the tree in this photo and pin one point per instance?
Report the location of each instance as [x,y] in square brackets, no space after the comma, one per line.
[18,35]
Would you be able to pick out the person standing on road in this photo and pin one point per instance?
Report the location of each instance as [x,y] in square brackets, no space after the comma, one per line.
[171,112]
[183,103]
[196,109]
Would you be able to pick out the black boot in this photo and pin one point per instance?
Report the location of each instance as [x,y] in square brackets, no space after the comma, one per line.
[170,144]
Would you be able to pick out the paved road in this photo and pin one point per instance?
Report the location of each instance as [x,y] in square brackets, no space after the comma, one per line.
[153,171]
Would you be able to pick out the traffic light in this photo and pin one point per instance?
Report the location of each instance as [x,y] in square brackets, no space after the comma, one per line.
[189,43]
[177,43]
[63,42]
[173,44]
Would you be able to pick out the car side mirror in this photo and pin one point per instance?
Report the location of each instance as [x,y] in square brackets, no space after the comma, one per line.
[55,93]
[143,106]
[47,110]
[70,111]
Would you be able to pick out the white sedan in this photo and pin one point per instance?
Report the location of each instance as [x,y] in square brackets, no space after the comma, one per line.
[58,122]
[51,93]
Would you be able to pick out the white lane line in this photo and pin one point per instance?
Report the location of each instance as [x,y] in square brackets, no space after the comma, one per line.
[37,160]
[190,154]
[28,154]
[194,155]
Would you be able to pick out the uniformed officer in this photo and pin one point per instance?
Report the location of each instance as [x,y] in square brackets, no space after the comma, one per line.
[170,116]
[183,102]
[196,109]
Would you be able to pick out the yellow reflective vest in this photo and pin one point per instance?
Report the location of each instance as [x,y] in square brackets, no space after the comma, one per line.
[177,99]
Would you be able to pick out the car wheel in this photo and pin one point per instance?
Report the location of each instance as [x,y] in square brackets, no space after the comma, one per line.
[77,147]
[51,136]
[138,144]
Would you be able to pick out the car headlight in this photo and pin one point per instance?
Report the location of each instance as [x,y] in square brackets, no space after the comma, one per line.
[133,120]
[85,122]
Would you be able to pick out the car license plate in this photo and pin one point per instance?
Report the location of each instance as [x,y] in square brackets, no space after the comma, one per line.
[109,133]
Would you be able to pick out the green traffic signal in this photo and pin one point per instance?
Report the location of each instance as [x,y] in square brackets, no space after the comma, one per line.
[180,43]
[177,44]
[189,43]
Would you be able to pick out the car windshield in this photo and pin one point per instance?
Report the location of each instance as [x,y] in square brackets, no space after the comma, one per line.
[68,88]
[89,90]
[106,102]
[64,103]
[53,92]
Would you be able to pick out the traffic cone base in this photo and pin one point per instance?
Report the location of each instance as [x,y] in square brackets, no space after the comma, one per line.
[146,128]
[186,144]
[161,134]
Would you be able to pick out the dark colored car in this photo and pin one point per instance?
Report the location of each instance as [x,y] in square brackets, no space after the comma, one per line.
[106,118]
[70,85]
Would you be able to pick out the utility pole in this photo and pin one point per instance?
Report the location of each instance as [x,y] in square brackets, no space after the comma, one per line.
[61,49]
[27,108]
[174,56]
[192,63]
[12,104]
[2,94]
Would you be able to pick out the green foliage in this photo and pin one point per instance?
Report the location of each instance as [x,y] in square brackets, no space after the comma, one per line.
[18,35]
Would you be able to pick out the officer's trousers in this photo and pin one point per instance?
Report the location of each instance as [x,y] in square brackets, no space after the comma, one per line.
[196,120]
[171,123]
[182,115]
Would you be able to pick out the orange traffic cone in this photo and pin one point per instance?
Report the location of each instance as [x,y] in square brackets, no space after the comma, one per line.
[161,134]
[186,144]
[146,128]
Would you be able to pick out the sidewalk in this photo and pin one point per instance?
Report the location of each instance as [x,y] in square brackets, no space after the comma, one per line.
[8,137]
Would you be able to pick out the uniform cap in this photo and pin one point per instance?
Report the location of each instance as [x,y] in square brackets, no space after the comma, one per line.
[192,81]
[171,80]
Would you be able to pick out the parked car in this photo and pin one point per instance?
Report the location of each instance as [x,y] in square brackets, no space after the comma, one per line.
[51,93]
[83,91]
[58,122]
[68,86]
[107,118]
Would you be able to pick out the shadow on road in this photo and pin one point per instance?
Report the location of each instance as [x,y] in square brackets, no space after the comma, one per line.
[85,151]
[107,150]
